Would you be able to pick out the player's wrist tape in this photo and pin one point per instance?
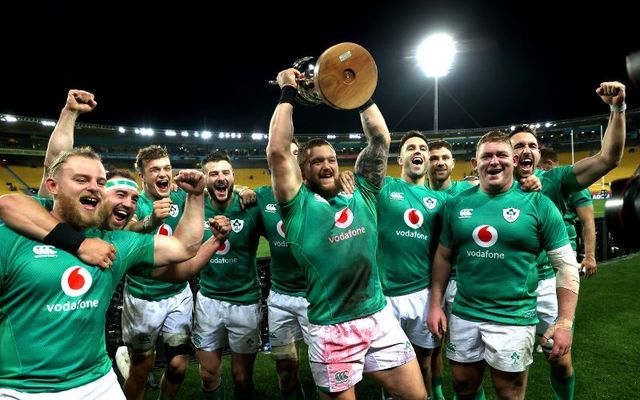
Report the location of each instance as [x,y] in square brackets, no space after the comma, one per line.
[618,107]
[64,237]
[366,105]
[288,95]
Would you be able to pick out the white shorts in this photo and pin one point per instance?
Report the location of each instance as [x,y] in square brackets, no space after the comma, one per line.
[143,320]
[338,354]
[547,305]
[507,348]
[218,324]
[411,311]
[449,296]
[104,388]
[288,322]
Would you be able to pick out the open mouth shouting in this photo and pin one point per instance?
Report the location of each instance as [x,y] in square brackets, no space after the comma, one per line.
[525,165]
[90,203]
[493,172]
[120,215]
[221,189]
[162,185]
[417,160]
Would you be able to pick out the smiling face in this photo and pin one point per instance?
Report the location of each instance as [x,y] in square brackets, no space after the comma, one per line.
[441,164]
[220,181]
[122,199]
[413,159]
[525,147]
[156,177]
[78,187]
[495,163]
[320,170]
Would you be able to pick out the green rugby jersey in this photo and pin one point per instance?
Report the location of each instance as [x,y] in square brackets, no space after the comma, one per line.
[558,184]
[286,275]
[335,241]
[139,285]
[455,189]
[232,274]
[409,223]
[495,240]
[53,310]
[576,200]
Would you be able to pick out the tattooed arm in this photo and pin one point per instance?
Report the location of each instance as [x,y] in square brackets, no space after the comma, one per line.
[372,160]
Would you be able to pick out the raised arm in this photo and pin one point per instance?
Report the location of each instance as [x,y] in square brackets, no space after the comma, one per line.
[589,170]
[187,237]
[286,177]
[372,160]
[78,102]
[220,228]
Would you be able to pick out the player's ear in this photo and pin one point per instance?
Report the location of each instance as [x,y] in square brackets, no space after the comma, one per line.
[52,185]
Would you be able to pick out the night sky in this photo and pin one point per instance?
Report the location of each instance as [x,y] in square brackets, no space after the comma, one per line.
[191,66]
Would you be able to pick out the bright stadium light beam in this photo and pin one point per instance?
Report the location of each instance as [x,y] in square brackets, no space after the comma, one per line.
[435,57]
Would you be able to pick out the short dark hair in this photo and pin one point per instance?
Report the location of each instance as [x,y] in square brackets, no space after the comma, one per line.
[438,144]
[409,135]
[149,153]
[493,137]
[216,156]
[523,128]
[303,154]
[548,154]
[120,172]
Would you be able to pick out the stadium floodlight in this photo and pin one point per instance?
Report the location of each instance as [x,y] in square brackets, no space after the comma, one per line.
[435,57]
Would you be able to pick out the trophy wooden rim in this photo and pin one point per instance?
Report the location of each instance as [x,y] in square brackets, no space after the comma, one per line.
[345,76]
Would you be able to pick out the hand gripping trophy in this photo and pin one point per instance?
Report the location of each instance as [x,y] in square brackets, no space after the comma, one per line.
[343,77]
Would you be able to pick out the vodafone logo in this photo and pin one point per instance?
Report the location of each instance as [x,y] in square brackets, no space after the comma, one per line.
[413,218]
[344,218]
[224,248]
[485,235]
[76,281]
[280,228]
[165,230]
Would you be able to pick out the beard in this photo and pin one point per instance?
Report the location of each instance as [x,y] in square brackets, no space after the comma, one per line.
[72,214]
[213,194]
[325,192]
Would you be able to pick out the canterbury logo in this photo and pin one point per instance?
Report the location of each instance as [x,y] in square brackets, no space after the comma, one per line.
[342,376]
[44,251]
[466,213]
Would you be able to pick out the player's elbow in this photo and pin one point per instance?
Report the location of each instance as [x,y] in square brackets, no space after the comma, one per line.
[276,154]
[611,161]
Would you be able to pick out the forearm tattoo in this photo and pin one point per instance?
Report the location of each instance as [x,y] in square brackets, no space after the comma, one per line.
[372,161]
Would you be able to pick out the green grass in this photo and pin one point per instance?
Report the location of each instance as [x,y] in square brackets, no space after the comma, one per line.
[598,207]
[606,357]
[263,248]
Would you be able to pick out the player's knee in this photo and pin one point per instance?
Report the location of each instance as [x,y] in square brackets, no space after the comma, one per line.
[171,352]
[287,373]
[285,352]
[174,375]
